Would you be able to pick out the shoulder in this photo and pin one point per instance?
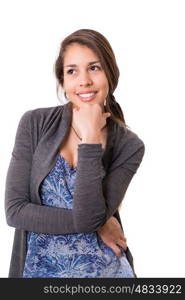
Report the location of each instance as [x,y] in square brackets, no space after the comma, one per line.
[42,112]
[127,144]
[127,137]
[36,122]
[128,148]
[40,117]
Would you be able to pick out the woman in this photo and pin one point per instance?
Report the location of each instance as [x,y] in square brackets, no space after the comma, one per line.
[70,168]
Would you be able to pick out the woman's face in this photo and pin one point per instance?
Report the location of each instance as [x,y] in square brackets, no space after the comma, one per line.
[84,79]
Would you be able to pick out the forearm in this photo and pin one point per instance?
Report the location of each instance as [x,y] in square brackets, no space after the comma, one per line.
[89,203]
[22,214]
[41,219]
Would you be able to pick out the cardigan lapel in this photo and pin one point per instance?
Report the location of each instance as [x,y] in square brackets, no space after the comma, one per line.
[48,148]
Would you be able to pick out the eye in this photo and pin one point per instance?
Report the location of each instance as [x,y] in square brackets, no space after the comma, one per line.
[93,68]
[70,71]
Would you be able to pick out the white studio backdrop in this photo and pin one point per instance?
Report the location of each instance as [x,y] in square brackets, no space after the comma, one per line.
[147,37]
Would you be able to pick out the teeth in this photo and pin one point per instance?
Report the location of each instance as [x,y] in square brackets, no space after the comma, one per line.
[86,95]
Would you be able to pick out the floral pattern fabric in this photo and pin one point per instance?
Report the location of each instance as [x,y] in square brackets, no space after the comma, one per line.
[76,255]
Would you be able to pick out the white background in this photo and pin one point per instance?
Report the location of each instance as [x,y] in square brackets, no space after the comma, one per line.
[147,37]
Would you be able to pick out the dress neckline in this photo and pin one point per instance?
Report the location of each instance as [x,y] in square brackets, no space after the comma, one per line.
[67,163]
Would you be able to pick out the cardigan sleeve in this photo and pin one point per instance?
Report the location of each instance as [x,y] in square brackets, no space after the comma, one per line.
[94,200]
[120,175]
[20,212]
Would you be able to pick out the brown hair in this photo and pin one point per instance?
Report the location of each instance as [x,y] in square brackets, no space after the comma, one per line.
[100,45]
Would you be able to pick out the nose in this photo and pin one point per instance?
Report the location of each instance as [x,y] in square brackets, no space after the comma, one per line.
[85,79]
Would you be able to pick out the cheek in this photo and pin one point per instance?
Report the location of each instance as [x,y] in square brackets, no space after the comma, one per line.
[106,87]
[68,86]
[105,84]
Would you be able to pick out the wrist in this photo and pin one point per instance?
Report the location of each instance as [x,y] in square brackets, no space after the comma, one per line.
[91,138]
[90,141]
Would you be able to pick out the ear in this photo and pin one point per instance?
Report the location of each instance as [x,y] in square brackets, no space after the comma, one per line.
[107,114]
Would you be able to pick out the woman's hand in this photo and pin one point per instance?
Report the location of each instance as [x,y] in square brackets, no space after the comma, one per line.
[89,119]
[112,235]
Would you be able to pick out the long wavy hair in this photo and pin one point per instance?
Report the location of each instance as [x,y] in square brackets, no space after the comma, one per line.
[100,45]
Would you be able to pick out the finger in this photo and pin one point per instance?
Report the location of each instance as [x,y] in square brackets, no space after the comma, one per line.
[122,237]
[122,244]
[116,249]
[75,109]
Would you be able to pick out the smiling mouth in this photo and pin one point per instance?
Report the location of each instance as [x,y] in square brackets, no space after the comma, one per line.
[87,96]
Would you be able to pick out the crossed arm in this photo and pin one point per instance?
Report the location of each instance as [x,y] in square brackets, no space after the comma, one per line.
[94,205]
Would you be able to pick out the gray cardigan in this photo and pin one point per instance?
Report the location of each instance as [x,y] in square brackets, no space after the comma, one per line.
[102,178]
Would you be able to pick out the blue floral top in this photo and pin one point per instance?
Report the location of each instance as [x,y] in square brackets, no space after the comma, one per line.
[69,255]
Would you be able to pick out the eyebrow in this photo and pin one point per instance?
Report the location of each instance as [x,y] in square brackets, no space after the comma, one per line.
[89,64]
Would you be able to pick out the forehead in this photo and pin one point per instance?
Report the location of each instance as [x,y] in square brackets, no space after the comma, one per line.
[79,54]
